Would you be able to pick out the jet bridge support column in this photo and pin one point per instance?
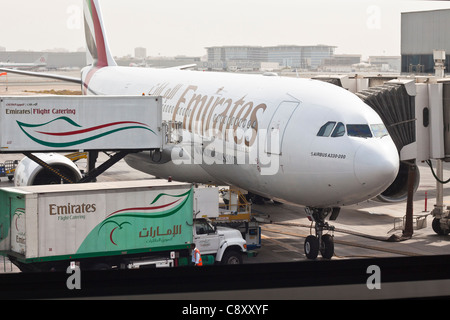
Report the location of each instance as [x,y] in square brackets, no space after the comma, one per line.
[439,59]
[439,206]
[409,229]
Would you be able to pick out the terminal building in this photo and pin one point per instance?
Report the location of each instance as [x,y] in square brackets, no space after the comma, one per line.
[422,32]
[386,63]
[254,57]
[340,63]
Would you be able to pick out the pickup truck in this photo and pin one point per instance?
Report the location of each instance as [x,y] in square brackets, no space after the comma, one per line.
[225,244]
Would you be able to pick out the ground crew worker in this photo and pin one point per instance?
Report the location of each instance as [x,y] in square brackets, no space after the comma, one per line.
[196,257]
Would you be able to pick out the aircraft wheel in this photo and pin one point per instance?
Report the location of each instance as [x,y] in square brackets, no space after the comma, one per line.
[327,246]
[311,247]
[436,225]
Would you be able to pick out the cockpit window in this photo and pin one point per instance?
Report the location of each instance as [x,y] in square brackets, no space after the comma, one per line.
[339,131]
[326,129]
[379,130]
[359,130]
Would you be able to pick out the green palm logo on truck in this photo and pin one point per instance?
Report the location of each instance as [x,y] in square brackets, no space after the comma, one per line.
[44,132]
[18,213]
[160,222]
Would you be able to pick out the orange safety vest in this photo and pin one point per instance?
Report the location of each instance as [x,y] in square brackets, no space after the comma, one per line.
[199,263]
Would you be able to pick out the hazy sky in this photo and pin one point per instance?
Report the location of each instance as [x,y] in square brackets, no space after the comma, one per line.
[181,27]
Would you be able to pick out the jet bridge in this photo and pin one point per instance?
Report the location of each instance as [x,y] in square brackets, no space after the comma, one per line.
[41,125]
[433,140]
[416,113]
[394,101]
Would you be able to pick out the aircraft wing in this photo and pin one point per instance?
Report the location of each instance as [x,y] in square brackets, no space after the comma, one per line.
[69,79]
[186,66]
[42,75]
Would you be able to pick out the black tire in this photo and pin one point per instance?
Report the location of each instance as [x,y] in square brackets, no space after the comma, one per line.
[327,247]
[231,257]
[436,225]
[311,247]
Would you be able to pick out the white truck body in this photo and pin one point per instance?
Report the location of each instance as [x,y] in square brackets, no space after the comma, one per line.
[108,221]
[66,123]
[58,222]
[206,202]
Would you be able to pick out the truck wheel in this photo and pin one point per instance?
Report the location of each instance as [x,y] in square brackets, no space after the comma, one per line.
[232,257]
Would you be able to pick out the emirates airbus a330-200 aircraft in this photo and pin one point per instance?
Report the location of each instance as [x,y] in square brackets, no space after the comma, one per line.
[299,140]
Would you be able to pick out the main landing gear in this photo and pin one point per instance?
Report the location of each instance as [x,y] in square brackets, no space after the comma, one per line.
[322,243]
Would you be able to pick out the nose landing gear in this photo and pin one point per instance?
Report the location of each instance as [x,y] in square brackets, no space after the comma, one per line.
[322,243]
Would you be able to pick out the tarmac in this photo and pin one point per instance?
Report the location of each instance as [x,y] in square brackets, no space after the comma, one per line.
[362,230]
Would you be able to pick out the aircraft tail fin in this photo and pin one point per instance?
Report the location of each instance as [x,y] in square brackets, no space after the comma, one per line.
[98,50]
[41,61]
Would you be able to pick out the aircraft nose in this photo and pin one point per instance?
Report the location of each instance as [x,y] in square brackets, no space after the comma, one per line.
[376,165]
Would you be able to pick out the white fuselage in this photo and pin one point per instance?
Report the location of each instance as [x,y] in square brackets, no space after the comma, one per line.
[261,134]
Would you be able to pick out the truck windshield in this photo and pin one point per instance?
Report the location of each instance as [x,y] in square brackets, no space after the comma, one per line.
[203,227]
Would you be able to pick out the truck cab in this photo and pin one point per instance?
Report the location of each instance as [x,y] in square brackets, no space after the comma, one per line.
[225,244]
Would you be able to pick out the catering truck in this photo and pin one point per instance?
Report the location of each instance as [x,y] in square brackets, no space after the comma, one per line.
[124,224]
[42,127]
[72,123]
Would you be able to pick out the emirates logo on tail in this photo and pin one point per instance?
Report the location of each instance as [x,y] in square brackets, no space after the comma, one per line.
[95,35]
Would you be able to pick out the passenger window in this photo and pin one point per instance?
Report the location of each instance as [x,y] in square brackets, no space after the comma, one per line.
[339,131]
[326,129]
[359,130]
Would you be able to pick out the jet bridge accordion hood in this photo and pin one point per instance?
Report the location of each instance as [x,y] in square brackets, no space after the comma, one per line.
[395,104]
[396,108]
